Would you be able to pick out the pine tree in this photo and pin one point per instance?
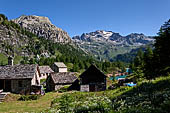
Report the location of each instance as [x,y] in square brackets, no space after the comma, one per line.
[149,64]
[138,61]
[162,53]
[138,64]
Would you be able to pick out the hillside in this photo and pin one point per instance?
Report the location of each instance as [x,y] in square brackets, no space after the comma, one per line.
[27,47]
[146,97]
[107,44]
[25,34]
[130,56]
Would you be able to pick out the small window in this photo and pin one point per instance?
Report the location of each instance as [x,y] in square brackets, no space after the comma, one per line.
[20,83]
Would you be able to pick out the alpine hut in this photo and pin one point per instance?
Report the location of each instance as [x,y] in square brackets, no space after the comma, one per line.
[92,80]
[58,80]
[19,78]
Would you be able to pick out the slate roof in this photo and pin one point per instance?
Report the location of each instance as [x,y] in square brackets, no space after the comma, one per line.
[45,69]
[18,71]
[60,64]
[63,77]
[92,71]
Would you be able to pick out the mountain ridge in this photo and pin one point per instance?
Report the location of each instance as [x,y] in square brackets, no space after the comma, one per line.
[102,44]
[108,44]
[115,38]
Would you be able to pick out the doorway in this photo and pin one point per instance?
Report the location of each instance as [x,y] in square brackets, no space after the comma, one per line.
[7,85]
[1,84]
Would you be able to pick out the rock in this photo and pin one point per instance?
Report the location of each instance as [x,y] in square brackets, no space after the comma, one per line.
[42,27]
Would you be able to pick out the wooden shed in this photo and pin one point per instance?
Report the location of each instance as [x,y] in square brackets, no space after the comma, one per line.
[92,80]
[19,78]
[58,80]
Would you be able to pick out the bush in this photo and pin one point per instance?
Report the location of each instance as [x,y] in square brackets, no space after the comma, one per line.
[70,104]
[136,110]
[29,97]
[63,89]
[94,105]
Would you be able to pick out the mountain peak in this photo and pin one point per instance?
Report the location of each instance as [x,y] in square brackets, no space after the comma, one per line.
[42,27]
[33,19]
[107,44]
[136,34]
[133,39]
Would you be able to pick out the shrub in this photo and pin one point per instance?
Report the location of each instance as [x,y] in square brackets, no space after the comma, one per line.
[29,97]
[63,89]
[71,104]
[136,110]
[94,105]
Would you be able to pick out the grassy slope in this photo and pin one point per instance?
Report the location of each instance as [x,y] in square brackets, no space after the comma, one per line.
[126,99]
[28,106]
[122,98]
[149,97]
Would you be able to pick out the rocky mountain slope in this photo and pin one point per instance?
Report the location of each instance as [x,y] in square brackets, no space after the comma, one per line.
[42,27]
[108,44]
[11,36]
[25,35]
[16,39]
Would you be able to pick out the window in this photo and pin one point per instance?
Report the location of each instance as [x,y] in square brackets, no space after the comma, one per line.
[20,83]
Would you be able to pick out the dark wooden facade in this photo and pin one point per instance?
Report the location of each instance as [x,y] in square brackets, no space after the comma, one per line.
[92,80]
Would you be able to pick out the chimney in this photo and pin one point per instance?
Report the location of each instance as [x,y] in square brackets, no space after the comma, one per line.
[10,61]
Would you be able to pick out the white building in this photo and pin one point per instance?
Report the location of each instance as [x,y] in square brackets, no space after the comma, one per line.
[59,67]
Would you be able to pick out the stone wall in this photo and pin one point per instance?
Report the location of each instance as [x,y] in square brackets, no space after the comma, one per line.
[36,79]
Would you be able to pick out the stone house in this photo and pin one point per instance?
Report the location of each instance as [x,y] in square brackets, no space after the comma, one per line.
[45,72]
[58,80]
[92,80]
[59,67]
[19,78]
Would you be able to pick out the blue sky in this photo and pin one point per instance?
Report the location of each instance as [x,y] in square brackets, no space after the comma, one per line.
[79,16]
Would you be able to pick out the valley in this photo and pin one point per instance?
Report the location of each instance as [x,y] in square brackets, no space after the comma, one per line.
[43,69]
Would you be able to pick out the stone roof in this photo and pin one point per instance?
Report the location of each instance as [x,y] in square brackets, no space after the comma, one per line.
[60,64]
[45,69]
[92,71]
[18,71]
[63,77]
